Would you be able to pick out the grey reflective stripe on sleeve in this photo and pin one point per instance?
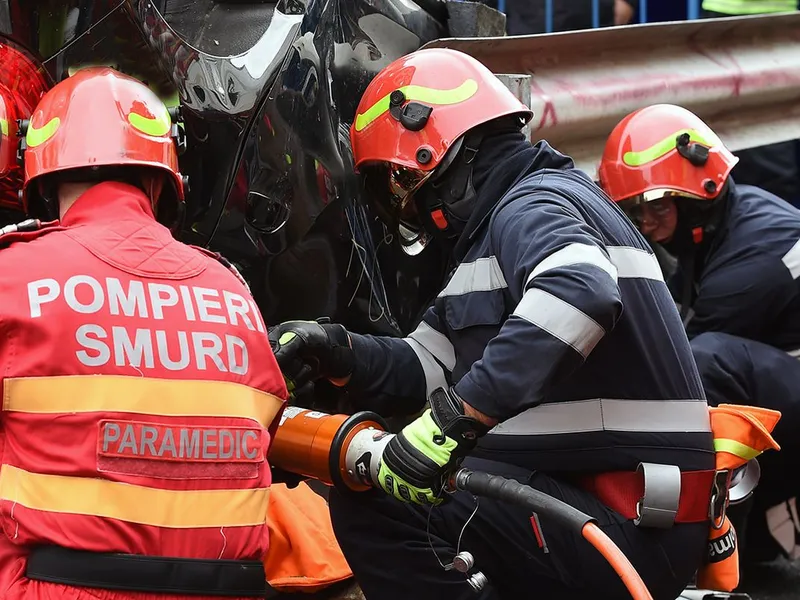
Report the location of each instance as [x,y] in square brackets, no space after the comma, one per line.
[434,374]
[433,350]
[575,254]
[585,416]
[634,263]
[560,319]
[792,260]
[483,275]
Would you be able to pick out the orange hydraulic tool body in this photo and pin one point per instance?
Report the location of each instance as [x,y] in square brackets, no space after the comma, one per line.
[340,450]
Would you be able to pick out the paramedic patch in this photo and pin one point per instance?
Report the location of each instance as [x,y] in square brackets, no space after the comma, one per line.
[179,451]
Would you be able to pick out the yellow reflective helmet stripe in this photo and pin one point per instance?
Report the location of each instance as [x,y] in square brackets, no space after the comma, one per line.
[659,149]
[736,448]
[157,126]
[463,92]
[4,126]
[38,136]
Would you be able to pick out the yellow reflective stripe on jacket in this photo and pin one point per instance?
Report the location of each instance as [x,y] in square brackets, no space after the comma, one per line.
[139,395]
[134,503]
[659,149]
[421,94]
[736,448]
[749,7]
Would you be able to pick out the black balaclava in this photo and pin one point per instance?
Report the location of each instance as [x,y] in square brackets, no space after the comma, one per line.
[699,225]
[474,177]
[699,221]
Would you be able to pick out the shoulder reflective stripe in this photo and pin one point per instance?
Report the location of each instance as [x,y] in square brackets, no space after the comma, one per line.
[736,448]
[792,260]
[659,149]
[483,275]
[145,395]
[584,416]
[575,254]
[436,343]
[134,503]
[434,374]
[560,319]
[634,263]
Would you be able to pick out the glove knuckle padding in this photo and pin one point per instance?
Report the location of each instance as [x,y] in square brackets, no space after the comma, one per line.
[401,457]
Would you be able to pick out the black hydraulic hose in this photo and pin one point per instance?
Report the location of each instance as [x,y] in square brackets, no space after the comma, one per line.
[514,492]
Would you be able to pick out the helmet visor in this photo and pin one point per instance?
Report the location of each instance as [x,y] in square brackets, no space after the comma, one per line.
[655,201]
[391,191]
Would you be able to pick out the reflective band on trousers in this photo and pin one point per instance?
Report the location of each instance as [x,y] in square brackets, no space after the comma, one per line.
[585,416]
[739,449]
[749,7]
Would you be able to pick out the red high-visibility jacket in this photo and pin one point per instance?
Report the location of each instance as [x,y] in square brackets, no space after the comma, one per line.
[139,393]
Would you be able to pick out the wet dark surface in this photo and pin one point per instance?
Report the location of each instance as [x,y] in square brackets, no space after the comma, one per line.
[778,580]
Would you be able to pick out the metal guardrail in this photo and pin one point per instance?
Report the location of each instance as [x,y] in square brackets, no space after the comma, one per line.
[692,11]
[741,75]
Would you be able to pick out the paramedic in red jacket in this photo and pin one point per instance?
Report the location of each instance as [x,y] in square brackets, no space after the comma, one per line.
[135,426]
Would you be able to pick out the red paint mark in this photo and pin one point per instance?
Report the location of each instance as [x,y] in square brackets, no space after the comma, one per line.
[549,112]
[723,58]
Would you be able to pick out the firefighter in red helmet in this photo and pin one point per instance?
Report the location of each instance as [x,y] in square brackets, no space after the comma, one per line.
[516,355]
[140,391]
[22,84]
[737,283]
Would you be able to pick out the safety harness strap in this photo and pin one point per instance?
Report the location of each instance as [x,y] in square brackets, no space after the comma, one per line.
[150,574]
[626,493]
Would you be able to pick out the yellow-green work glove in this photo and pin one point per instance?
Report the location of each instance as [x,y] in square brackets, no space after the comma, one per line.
[416,462]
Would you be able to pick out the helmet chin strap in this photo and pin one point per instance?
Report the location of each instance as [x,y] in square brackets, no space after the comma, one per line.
[447,200]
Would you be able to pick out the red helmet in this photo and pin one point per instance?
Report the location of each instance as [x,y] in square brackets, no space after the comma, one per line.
[99,117]
[413,112]
[664,150]
[22,84]
[418,106]
[9,114]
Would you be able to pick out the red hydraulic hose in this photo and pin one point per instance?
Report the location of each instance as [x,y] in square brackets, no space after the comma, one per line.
[618,561]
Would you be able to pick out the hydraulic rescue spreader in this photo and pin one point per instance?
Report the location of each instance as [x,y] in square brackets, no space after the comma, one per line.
[345,451]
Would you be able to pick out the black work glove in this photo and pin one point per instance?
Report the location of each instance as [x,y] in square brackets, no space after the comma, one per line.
[416,462]
[309,350]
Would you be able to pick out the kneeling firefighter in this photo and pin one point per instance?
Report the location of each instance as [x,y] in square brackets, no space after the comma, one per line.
[134,427]
[554,355]
[737,283]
